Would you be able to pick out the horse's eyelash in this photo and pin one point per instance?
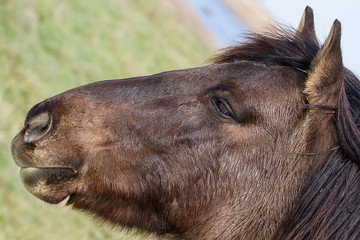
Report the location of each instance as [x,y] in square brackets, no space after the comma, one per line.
[222,107]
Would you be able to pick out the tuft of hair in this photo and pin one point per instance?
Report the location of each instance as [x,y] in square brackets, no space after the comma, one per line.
[348,117]
[281,47]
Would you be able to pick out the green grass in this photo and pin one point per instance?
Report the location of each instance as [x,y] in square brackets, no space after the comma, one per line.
[49,46]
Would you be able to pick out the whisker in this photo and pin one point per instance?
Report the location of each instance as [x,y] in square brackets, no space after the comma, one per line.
[312,154]
[317,106]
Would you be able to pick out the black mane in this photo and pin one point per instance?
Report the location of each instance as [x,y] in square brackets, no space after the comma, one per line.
[330,206]
[282,47]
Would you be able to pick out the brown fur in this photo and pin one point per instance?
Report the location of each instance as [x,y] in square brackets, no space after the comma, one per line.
[154,153]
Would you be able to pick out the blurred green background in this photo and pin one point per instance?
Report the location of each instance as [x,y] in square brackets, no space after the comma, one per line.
[49,46]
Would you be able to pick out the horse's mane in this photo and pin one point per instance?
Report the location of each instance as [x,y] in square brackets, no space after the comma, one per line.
[280,47]
[330,206]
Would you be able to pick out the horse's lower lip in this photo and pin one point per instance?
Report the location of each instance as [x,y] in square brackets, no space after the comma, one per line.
[32,175]
[51,185]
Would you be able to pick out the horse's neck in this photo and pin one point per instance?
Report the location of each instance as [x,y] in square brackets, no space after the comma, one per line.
[330,206]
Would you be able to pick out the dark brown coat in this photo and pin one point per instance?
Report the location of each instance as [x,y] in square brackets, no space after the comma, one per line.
[262,144]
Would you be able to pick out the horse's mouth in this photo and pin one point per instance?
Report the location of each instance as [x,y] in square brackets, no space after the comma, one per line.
[51,184]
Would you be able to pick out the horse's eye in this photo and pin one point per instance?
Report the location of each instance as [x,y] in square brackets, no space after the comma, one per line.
[222,107]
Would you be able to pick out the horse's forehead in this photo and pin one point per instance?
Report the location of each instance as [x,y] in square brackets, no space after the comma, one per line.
[257,79]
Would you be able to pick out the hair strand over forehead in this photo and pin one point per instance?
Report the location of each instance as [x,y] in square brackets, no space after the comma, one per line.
[281,47]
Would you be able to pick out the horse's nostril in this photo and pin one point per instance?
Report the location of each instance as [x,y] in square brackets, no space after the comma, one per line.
[37,127]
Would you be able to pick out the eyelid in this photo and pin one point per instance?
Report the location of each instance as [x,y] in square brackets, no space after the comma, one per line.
[226,104]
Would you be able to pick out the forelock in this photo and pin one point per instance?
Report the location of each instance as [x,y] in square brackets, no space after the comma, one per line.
[285,47]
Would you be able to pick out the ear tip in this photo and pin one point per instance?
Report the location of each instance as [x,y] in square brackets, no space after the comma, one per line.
[309,10]
[307,26]
[336,27]
[337,23]
[309,13]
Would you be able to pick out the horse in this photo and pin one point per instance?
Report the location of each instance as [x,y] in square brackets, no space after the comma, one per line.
[263,143]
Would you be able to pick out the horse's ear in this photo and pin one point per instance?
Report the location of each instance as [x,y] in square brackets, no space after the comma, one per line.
[306,25]
[326,73]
